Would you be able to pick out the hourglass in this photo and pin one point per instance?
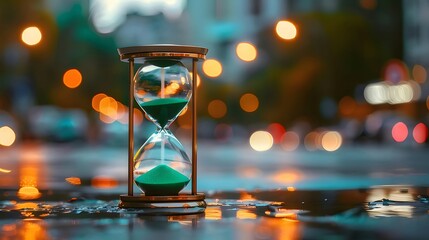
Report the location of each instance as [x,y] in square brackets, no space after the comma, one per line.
[162,86]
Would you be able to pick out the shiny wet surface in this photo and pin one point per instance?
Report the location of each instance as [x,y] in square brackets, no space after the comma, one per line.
[281,214]
[64,192]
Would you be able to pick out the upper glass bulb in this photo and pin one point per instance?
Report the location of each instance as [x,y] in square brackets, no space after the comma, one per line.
[162,89]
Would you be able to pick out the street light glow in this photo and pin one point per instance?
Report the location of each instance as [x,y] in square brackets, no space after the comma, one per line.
[31,36]
[72,78]
[7,136]
[261,141]
[286,30]
[246,51]
[212,68]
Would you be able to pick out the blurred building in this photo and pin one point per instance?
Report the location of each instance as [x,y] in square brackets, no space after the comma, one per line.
[416,32]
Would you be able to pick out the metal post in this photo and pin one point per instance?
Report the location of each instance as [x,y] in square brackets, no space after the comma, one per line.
[131,130]
[194,126]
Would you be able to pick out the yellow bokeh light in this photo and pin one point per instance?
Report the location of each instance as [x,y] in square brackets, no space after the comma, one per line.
[286,30]
[261,141]
[7,136]
[249,102]
[331,141]
[217,108]
[72,78]
[419,73]
[212,68]
[246,51]
[31,36]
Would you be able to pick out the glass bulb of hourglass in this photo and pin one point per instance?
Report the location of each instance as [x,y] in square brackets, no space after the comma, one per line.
[162,89]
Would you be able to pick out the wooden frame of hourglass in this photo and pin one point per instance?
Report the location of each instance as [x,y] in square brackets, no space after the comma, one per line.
[176,204]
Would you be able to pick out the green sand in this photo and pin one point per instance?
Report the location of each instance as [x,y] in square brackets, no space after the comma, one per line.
[162,180]
[164,109]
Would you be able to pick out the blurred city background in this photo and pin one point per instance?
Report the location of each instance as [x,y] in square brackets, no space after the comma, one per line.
[281,76]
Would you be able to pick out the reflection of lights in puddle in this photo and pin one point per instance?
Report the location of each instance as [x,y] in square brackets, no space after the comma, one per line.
[26,205]
[2,170]
[29,193]
[291,214]
[104,182]
[213,213]
[391,201]
[245,214]
[73,180]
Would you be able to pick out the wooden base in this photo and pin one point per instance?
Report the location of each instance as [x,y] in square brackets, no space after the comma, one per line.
[165,205]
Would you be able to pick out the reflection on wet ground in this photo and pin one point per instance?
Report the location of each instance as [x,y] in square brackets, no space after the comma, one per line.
[71,192]
[281,214]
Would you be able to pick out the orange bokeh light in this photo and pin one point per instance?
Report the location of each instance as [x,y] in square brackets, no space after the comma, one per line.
[246,51]
[72,78]
[212,68]
[217,108]
[249,102]
[96,101]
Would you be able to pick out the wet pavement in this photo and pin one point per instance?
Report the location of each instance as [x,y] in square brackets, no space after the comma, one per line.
[365,192]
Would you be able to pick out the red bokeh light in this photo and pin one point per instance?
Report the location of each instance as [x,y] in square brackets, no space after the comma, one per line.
[420,133]
[276,130]
[399,132]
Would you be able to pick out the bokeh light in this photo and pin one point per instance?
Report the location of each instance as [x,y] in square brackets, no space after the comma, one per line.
[402,92]
[246,51]
[420,133]
[7,136]
[311,142]
[399,132]
[331,141]
[109,107]
[419,73]
[249,102]
[286,177]
[72,78]
[276,130]
[217,108]
[212,68]
[31,36]
[286,30]
[261,141]
[96,101]
[290,141]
